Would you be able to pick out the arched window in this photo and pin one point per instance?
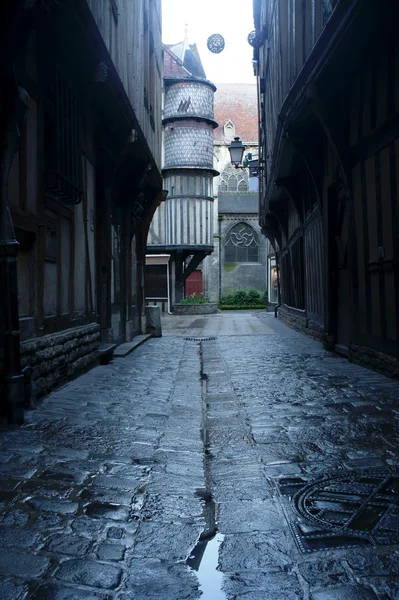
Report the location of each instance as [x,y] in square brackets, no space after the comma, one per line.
[243,186]
[223,186]
[241,244]
[232,183]
[233,180]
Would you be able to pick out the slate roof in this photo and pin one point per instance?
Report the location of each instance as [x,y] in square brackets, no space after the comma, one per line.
[233,203]
[236,102]
[186,56]
[173,66]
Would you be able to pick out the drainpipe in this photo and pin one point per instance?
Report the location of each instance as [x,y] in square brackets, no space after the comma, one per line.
[14,108]
[168,285]
[220,218]
[278,286]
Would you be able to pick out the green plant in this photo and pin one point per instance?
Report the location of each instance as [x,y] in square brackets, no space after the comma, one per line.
[253,297]
[195,299]
[228,299]
[243,298]
[237,307]
[240,297]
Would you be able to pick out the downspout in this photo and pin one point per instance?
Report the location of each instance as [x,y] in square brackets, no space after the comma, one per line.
[168,285]
[220,256]
[278,285]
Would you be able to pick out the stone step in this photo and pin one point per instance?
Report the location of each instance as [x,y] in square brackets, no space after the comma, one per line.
[105,352]
[128,347]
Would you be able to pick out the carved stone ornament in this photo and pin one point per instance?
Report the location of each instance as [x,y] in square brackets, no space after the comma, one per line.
[215,43]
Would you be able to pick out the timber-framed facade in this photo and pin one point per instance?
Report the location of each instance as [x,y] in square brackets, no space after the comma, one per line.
[85,180]
[328,82]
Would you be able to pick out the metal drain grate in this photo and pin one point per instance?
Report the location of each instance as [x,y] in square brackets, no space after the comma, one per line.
[351,509]
[200,339]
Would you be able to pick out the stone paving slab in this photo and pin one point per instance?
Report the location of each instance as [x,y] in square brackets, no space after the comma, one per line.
[305,414]
[74,515]
[107,488]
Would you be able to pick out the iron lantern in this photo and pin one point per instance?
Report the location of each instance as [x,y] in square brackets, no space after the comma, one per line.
[236,150]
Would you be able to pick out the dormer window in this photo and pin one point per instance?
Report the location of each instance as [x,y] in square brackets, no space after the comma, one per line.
[229,130]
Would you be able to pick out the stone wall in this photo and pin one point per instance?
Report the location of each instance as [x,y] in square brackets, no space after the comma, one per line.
[379,361]
[362,355]
[195,309]
[243,275]
[62,356]
[300,322]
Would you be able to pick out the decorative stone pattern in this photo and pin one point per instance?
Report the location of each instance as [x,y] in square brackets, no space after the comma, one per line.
[59,357]
[189,98]
[237,275]
[189,144]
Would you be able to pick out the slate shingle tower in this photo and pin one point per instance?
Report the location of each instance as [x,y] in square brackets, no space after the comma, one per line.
[183,225]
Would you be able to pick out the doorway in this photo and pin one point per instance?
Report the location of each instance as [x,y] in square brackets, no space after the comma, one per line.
[117,304]
[194,283]
[340,273]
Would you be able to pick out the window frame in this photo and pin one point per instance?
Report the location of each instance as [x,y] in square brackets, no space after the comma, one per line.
[240,253]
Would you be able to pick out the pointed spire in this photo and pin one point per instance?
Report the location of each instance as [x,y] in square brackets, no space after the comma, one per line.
[185,42]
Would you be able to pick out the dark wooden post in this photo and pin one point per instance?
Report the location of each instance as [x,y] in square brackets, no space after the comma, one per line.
[14,104]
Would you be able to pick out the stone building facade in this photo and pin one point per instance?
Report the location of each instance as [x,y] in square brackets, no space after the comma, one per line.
[84,180]
[182,225]
[328,109]
[240,257]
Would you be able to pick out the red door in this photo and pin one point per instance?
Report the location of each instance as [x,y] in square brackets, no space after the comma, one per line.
[194,283]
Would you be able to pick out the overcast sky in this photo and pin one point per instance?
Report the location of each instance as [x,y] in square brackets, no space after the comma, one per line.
[231,18]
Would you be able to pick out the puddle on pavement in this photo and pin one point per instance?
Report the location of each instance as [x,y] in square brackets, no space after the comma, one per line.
[204,561]
[204,558]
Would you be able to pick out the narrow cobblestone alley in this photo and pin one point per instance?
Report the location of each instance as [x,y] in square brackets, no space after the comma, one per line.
[232,441]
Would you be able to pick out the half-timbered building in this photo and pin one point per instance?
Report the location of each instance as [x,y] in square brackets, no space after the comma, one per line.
[182,227]
[84,181]
[328,81]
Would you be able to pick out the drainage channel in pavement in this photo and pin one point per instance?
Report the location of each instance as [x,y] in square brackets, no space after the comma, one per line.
[204,558]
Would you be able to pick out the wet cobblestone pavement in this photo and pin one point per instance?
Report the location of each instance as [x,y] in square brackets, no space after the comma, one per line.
[289,452]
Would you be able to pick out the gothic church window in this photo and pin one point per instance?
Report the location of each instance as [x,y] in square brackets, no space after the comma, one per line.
[233,180]
[241,244]
[223,187]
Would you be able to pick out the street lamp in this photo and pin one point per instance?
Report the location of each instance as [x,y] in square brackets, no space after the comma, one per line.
[255,165]
[236,150]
